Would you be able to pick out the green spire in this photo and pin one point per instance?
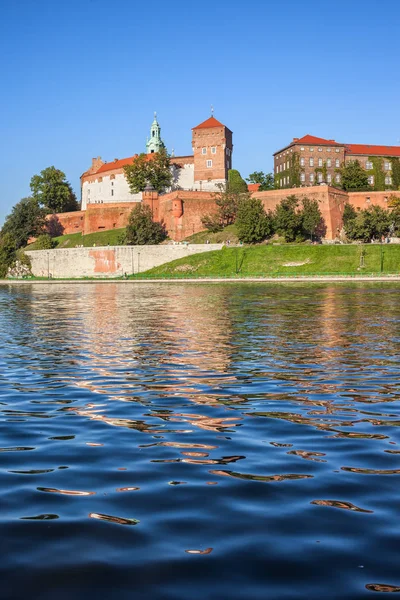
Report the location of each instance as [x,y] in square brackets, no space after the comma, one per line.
[155,143]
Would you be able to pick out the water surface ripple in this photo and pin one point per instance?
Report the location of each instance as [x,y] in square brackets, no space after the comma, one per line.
[187,442]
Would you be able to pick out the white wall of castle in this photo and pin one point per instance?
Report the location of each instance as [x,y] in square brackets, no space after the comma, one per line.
[112,188]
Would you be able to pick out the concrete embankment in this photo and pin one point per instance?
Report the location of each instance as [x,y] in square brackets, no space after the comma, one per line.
[275,280]
[108,261]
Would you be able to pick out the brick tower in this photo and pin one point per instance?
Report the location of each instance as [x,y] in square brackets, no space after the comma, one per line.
[212,150]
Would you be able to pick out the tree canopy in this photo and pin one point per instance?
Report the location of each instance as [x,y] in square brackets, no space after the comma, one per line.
[50,189]
[227,200]
[367,224]
[27,219]
[266,180]
[141,228]
[149,168]
[236,184]
[252,222]
[7,252]
[353,176]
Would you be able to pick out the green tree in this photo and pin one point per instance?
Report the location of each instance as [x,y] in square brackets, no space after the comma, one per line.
[266,180]
[236,184]
[149,168]
[141,228]
[27,219]
[8,250]
[365,225]
[378,221]
[50,189]
[287,218]
[44,242]
[353,176]
[311,218]
[252,222]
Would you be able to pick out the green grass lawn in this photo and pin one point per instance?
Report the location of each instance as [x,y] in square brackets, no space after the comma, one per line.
[228,233]
[100,238]
[270,260]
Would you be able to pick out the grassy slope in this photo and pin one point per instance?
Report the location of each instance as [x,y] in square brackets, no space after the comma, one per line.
[100,238]
[229,233]
[270,260]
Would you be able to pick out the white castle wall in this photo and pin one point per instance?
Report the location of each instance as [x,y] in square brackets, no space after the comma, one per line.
[108,261]
[108,190]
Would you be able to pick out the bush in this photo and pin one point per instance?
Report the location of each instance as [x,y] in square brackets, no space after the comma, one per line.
[141,229]
[44,242]
[8,249]
[252,222]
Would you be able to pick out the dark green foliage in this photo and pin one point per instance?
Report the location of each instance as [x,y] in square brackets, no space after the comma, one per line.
[236,184]
[45,242]
[8,250]
[27,219]
[141,228]
[154,169]
[311,219]
[51,189]
[252,222]
[227,201]
[266,180]
[353,176]
[287,219]
[369,224]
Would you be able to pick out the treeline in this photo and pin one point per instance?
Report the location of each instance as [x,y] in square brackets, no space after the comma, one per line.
[372,224]
[50,193]
[295,219]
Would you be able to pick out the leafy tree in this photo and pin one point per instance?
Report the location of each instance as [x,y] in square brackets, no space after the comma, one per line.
[236,184]
[27,219]
[51,189]
[141,228]
[149,168]
[311,218]
[252,222]
[287,219]
[266,180]
[44,242]
[8,249]
[353,176]
[365,225]
[378,221]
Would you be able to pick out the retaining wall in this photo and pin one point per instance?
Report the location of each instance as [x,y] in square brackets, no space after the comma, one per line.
[108,261]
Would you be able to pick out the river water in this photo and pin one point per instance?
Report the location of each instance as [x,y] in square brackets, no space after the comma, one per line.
[199,441]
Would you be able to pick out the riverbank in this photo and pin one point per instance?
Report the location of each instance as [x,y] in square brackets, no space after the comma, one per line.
[299,279]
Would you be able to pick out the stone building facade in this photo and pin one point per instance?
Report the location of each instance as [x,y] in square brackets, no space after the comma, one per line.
[312,160]
[105,182]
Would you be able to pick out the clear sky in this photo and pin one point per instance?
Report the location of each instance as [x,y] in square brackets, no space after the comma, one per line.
[82,78]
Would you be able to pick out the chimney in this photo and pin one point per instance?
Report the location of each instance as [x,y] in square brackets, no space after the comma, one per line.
[295,139]
[96,164]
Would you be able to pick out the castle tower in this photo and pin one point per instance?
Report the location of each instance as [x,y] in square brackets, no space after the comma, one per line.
[212,150]
[155,143]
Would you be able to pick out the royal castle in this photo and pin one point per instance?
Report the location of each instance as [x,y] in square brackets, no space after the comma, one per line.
[203,170]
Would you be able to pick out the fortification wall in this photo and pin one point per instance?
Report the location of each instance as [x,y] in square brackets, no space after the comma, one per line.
[193,206]
[366,199]
[108,261]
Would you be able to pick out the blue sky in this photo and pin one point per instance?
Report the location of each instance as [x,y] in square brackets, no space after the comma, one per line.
[81,78]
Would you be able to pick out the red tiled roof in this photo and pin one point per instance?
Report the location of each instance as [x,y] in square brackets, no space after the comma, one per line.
[373,150]
[118,164]
[311,139]
[211,122]
[253,187]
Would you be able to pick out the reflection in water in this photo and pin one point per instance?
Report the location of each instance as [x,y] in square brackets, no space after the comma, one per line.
[162,390]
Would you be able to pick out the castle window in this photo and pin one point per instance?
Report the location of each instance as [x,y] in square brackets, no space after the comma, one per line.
[213,150]
[311,177]
[302,177]
[329,149]
[329,178]
[280,168]
[209,164]
[311,162]
[112,192]
[319,149]
[371,180]
[337,150]
[320,162]
[337,178]
[328,162]
[388,180]
[302,162]
[311,149]
[281,182]
[204,150]
[387,165]
[337,163]
[369,165]
[319,177]
[277,169]
[302,148]
[287,165]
